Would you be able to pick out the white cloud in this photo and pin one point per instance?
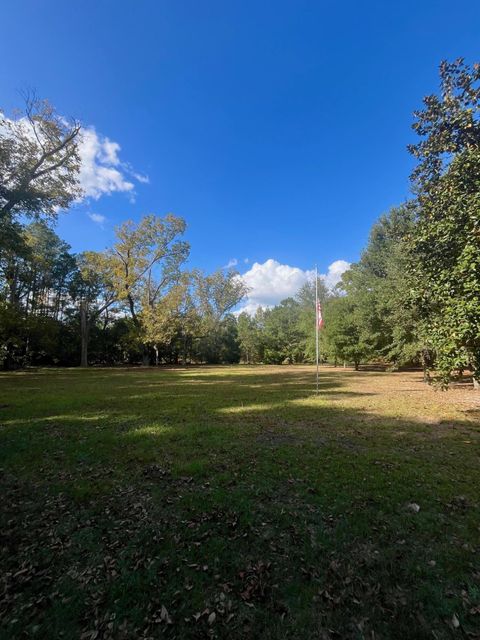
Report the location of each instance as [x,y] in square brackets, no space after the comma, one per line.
[101,170]
[335,272]
[108,152]
[271,282]
[141,178]
[230,264]
[97,218]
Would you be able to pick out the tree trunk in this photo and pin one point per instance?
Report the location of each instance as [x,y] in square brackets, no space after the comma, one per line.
[84,333]
[357,364]
[476,382]
[8,361]
[155,348]
[184,350]
[426,363]
[145,357]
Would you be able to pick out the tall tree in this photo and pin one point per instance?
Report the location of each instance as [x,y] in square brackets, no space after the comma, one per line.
[342,336]
[216,295]
[379,288]
[39,161]
[36,273]
[284,338]
[161,318]
[446,247]
[248,337]
[141,266]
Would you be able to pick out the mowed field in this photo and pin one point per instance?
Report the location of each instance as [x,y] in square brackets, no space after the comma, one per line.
[231,502]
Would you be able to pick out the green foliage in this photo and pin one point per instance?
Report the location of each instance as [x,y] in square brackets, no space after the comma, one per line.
[142,264]
[36,272]
[216,295]
[249,338]
[342,337]
[284,338]
[446,270]
[379,290]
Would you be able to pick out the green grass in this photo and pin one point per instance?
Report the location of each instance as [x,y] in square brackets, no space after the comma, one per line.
[231,502]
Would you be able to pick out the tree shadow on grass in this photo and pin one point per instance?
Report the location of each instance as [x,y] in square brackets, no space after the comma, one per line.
[243,496]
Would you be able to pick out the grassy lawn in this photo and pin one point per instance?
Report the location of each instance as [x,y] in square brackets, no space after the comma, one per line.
[230,502]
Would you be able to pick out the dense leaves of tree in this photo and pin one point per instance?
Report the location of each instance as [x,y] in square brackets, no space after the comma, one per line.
[446,243]
[139,269]
[379,291]
[36,277]
[343,339]
[217,294]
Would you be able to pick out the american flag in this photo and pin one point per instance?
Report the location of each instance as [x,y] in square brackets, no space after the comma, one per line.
[319,316]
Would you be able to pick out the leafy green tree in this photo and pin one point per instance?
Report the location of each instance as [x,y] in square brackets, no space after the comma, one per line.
[248,337]
[161,319]
[230,347]
[284,338]
[378,287]
[139,269]
[14,254]
[216,295]
[342,334]
[36,272]
[445,245]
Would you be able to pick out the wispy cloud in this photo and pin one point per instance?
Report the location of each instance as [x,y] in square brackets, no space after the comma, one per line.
[141,178]
[231,263]
[97,218]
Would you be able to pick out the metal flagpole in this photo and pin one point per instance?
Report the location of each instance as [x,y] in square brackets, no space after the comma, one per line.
[316,322]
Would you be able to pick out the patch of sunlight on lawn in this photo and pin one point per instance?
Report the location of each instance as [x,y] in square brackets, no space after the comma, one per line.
[56,419]
[310,401]
[151,430]
[245,408]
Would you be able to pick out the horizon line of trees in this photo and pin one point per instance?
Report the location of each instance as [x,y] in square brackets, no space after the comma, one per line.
[413,298]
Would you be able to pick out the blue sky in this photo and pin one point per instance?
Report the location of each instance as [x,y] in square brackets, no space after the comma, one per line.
[278,130]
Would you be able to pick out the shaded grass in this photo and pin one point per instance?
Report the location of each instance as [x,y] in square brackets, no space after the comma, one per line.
[231,502]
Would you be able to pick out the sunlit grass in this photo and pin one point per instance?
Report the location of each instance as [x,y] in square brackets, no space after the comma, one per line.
[121,486]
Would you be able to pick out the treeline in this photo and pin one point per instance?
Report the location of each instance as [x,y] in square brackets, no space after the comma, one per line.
[132,303]
[413,298]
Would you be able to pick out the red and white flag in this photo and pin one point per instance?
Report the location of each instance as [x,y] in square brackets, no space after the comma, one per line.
[319,315]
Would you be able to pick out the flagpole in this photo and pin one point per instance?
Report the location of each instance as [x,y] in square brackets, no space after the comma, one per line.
[316,323]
